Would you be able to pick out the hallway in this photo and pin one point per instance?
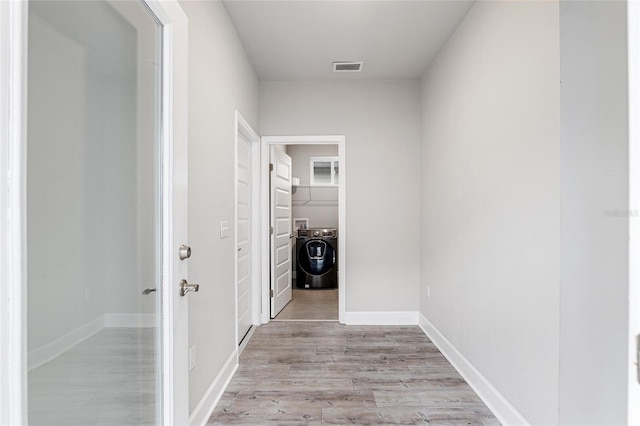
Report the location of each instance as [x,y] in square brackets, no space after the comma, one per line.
[313,373]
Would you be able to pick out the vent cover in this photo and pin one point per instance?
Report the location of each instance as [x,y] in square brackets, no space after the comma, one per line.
[347,66]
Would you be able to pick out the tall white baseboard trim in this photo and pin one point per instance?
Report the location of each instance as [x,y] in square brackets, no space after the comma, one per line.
[382,318]
[501,408]
[50,351]
[130,320]
[208,403]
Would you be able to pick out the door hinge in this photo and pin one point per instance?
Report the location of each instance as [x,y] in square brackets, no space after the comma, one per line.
[271,230]
[271,292]
[270,167]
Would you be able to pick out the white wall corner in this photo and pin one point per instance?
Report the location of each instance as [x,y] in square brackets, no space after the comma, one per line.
[52,350]
[498,404]
[382,318]
[208,403]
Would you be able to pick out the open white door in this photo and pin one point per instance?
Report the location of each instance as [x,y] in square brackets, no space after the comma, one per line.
[175,252]
[280,222]
[169,32]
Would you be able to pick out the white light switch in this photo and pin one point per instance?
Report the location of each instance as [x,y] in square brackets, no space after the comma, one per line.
[224,229]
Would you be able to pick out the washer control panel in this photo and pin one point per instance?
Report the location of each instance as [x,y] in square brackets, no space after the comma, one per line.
[318,233]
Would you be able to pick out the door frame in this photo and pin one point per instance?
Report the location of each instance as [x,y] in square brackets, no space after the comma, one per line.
[13,91]
[243,127]
[13,110]
[266,143]
[633,46]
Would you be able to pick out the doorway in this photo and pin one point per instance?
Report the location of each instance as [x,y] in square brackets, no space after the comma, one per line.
[314,204]
[314,210]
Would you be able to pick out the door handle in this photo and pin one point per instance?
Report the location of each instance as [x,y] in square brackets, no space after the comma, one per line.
[185,287]
[148,290]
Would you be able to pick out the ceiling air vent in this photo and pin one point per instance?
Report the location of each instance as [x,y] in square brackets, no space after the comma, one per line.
[347,66]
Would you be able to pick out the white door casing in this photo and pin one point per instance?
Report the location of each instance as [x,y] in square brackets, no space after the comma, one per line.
[13,100]
[264,252]
[13,72]
[280,214]
[633,46]
[244,231]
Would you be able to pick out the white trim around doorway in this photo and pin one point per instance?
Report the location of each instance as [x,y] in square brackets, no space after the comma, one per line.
[263,172]
[13,359]
[633,46]
[243,127]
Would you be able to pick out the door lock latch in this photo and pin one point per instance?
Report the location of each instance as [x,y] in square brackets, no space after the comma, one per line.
[184,252]
[185,287]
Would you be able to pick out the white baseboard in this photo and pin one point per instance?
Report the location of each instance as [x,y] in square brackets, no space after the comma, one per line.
[48,352]
[51,350]
[130,320]
[381,318]
[208,403]
[501,408]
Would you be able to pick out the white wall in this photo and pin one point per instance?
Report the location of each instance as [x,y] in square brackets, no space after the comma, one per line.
[595,219]
[322,210]
[221,80]
[381,121]
[491,199]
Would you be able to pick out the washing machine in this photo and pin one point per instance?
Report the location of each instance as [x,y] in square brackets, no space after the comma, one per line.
[317,258]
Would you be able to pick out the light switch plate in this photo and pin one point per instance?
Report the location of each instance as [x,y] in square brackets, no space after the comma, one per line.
[224,229]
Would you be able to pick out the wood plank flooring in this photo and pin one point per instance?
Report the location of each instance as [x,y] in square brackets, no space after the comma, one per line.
[324,373]
[311,305]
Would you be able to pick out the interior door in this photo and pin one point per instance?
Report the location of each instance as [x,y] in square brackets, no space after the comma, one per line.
[280,222]
[243,226]
[106,191]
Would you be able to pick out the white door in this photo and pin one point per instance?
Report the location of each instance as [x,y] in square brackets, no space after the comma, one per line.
[175,318]
[243,227]
[280,230]
[107,131]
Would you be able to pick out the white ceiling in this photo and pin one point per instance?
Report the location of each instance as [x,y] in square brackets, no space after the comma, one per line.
[300,39]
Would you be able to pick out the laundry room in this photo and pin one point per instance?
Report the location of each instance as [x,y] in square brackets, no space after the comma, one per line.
[314,219]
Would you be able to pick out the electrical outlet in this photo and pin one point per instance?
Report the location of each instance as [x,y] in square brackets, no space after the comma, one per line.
[429,291]
[192,357]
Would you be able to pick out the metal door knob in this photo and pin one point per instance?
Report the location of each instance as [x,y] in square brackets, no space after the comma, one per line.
[185,287]
[184,252]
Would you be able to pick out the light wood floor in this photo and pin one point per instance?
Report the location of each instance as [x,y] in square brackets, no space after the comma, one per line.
[324,373]
[311,305]
[107,380]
